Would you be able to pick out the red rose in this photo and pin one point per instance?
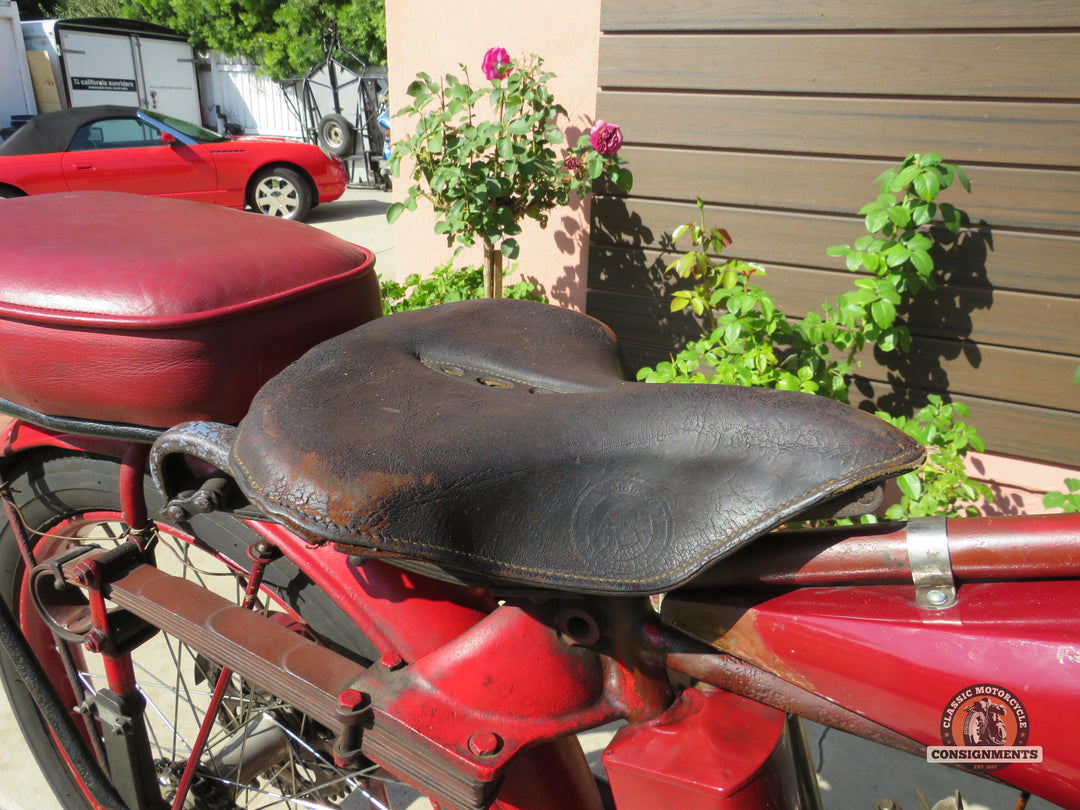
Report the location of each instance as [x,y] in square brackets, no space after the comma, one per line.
[605,138]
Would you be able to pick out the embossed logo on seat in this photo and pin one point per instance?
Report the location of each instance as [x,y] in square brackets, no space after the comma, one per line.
[621,519]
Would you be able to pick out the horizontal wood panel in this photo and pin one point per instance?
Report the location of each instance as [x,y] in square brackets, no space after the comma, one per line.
[647,15]
[1010,65]
[1008,428]
[1011,260]
[1046,134]
[1001,196]
[1012,373]
[1020,320]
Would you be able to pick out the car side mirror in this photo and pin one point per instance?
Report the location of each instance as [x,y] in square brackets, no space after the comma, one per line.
[168,138]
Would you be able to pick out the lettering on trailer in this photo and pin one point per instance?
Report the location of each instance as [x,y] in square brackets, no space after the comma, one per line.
[90,83]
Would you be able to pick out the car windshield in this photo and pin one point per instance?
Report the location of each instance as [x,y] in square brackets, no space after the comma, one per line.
[196,133]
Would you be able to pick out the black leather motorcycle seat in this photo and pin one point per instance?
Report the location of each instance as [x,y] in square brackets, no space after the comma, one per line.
[499,441]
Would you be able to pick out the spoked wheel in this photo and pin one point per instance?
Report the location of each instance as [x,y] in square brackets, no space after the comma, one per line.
[281,192]
[260,752]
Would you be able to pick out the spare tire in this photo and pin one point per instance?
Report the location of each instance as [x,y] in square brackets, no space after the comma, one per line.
[336,134]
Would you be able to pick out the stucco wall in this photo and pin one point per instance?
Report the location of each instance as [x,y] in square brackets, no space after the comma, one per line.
[434,36]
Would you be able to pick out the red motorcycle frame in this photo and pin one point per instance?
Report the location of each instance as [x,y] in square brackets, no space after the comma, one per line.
[509,685]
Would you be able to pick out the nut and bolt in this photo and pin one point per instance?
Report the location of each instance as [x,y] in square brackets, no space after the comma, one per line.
[176,512]
[351,701]
[485,743]
[391,661]
[936,596]
[94,641]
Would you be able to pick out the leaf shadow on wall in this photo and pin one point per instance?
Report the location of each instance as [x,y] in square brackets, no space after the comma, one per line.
[571,239]
[628,288]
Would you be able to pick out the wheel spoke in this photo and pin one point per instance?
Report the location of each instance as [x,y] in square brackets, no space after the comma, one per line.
[239,767]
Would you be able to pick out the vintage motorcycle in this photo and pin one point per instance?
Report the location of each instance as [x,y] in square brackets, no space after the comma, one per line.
[431,548]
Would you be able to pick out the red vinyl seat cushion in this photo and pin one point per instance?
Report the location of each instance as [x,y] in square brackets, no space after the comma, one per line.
[147,311]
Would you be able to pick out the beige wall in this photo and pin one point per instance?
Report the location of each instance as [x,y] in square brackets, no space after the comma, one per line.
[434,36]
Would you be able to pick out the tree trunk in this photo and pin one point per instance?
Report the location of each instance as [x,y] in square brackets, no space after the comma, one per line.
[493,271]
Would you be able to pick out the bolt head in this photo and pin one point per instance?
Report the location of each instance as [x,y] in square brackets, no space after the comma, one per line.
[352,700]
[936,597]
[485,743]
[390,660]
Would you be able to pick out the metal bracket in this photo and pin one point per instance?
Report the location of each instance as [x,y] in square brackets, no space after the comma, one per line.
[931,567]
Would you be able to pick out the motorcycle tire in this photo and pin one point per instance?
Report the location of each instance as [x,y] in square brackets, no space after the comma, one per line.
[66,499]
[336,135]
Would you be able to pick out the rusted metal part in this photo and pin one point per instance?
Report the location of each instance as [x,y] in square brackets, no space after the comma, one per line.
[511,679]
[510,676]
[981,549]
[637,677]
[16,523]
[292,667]
[728,672]
[261,555]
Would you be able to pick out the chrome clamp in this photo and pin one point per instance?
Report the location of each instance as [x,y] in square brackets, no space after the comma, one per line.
[931,567]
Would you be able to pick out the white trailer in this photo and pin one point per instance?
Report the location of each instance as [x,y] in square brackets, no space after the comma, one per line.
[16,89]
[113,61]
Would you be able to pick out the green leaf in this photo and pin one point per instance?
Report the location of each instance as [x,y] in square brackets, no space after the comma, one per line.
[899,215]
[964,182]
[911,485]
[883,313]
[509,248]
[927,185]
[903,178]
[922,262]
[875,220]
[394,211]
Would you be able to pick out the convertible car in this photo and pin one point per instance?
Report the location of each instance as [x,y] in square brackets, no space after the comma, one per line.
[111,148]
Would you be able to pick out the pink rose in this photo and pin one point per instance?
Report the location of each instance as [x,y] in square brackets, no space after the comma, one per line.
[605,138]
[496,63]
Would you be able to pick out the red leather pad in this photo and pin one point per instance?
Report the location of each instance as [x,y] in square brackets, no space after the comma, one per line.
[123,308]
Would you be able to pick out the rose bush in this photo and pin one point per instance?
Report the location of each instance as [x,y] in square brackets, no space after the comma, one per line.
[486,167]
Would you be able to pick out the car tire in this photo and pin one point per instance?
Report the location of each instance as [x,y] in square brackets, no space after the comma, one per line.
[281,192]
[336,135]
[7,192]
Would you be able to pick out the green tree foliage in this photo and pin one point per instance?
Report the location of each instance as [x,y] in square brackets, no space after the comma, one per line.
[284,36]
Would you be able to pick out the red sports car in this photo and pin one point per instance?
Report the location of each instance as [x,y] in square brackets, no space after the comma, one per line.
[112,148]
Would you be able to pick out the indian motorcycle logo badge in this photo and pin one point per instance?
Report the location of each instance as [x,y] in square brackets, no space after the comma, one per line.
[984,728]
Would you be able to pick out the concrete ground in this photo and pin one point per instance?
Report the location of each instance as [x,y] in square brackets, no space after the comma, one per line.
[360,217]
[853,774]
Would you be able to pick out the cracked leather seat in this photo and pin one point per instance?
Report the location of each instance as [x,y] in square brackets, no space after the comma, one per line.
[498,441]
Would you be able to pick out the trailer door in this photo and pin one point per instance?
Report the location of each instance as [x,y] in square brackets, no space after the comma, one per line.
[168,80]
[99,68]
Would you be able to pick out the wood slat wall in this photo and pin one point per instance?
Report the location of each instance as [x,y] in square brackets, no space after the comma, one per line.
[780,116]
